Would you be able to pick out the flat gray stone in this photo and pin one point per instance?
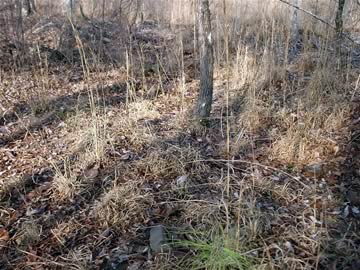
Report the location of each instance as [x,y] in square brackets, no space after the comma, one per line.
[157,238]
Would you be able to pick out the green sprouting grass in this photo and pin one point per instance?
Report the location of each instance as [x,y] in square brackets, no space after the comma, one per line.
[219,253]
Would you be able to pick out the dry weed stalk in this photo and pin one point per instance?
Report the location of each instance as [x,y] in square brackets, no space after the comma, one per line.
[66,183]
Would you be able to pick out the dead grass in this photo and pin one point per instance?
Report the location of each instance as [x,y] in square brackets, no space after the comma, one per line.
[77,259]
[66,183]
[171,163]
[63,230]
[309,134]
[132,125]
[123,207]
[29,234]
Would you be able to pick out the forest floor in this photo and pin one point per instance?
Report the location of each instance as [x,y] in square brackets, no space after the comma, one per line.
[95,177]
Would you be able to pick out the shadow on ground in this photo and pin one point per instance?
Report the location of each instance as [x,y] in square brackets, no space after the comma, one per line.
[60,108]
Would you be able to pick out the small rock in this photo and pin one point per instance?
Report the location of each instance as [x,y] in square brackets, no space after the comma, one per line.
[181,181]
[152,92]
[48,131]
[62,124]
[126,156]
[92,172]
[314,220]
[33,211]
[157,238]
[137,265]
[275,178]
[355,265]
[120,262]
[315,168]
[106,40]
[141,249]
[354,197]
[106,233]
[289,247]
[355,212]
[209,151]
[336,211]
[4,130]
[157,186]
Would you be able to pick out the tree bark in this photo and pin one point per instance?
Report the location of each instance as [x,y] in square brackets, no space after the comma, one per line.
[29,6]
[295,35]
[339,17]
[71,8]
[206,55]
[19,23]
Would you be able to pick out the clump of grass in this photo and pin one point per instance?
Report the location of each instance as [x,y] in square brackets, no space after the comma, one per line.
[88,135]
[123,207]
[172,162]
[98,138]
[255,114]
[142,109]
[134,125]
[66,183]
[324,88]
[308,136]
[77,258]
[219,251]
[30,233]
[203,213]
[89,144]
[63,230]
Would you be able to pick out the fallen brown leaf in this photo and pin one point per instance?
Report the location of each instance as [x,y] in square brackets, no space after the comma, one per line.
[92,172]
[4,235]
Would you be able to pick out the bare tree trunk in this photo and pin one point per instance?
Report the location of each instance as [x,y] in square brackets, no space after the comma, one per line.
[29,6]
[33,5]
[196,35]
[339,17]
[19,32]
[295,35]
[206,61]
[339,23]
[133,17]
[101,45]
[71,8]
[117,9]
[19,22]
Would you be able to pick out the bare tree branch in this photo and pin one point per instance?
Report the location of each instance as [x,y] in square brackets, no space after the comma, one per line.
[318,18]
[309,13]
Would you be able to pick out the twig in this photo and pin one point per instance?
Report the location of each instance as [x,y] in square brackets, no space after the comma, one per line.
[45,261]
